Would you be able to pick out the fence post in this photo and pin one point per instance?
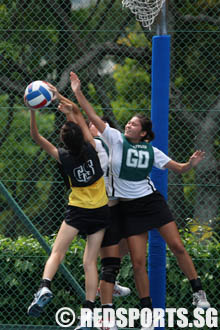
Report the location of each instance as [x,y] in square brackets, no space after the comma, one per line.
[27,222]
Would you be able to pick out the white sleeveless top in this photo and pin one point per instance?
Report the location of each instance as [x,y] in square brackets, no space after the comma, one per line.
[118,187]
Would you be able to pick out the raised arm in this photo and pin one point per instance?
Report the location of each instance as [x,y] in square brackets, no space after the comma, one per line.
[39,139]
[57,95]
[70,116]
[84,103]
[73,113]
[194,160]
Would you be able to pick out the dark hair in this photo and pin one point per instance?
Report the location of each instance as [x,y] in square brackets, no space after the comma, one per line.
[72,137]
[107,120]
[146,125]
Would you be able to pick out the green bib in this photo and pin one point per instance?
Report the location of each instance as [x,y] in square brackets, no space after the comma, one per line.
[138,156]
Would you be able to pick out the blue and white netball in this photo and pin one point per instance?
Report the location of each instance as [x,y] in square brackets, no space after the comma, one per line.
[38,95]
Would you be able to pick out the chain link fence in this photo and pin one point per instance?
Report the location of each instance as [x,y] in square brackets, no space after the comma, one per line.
[111,52]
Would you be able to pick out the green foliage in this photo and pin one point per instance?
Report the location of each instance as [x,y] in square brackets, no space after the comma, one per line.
[45,40]
[133,77]
[25,162]
[22,262]
[25,147]
[130,76]
[205,255]
[134,37]
[205,231]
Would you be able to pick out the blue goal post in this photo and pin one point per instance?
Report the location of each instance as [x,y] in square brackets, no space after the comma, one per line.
[159,117]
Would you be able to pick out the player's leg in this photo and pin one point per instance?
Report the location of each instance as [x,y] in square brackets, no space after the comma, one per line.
[137,246]
[44,294]
[90,256]
[119,290]
[113,242]
[110,265]
[110,261]
[172,237]
[123,248]
[138,249]
[90,263]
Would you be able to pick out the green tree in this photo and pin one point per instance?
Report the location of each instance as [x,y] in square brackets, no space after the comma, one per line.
[111,52]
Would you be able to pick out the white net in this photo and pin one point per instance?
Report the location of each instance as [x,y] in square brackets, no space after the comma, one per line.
[145,10]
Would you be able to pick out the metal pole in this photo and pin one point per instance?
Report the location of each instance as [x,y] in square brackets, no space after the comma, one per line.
[27,222]
[161,28]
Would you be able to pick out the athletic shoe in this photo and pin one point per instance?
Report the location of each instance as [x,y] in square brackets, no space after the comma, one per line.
[119,291]
[41,298]
[200,300]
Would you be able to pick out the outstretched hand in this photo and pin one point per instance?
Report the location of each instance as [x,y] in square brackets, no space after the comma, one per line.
[26,102]
[27,105]
[196,157]
[75,82]
[65,107]
[54,90]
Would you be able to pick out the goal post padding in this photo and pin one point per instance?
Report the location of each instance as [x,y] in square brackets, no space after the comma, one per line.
[159,117]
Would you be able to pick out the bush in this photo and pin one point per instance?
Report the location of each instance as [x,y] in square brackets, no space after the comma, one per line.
[21,267]
[205,255]
[22,262]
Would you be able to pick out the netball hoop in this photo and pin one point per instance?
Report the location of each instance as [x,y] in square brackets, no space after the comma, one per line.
[145,10]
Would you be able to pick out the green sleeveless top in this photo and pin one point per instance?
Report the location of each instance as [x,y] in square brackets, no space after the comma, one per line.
[137,160]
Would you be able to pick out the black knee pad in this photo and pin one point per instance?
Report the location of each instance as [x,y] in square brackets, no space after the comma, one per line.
[110,269]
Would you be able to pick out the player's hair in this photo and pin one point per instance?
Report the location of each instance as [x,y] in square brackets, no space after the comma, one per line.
[72,137]
[146,125]
[106,119]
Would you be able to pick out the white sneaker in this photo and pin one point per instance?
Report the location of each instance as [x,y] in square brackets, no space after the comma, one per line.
[119,291]
[200,300]
[41,298]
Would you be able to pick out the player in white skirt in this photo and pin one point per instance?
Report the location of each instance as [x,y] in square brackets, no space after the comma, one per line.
[142,206]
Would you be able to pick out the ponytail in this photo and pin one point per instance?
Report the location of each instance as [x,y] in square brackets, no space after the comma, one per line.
[146,126]
[72,136]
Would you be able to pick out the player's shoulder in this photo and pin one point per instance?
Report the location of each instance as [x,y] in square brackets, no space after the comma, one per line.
[112,132]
